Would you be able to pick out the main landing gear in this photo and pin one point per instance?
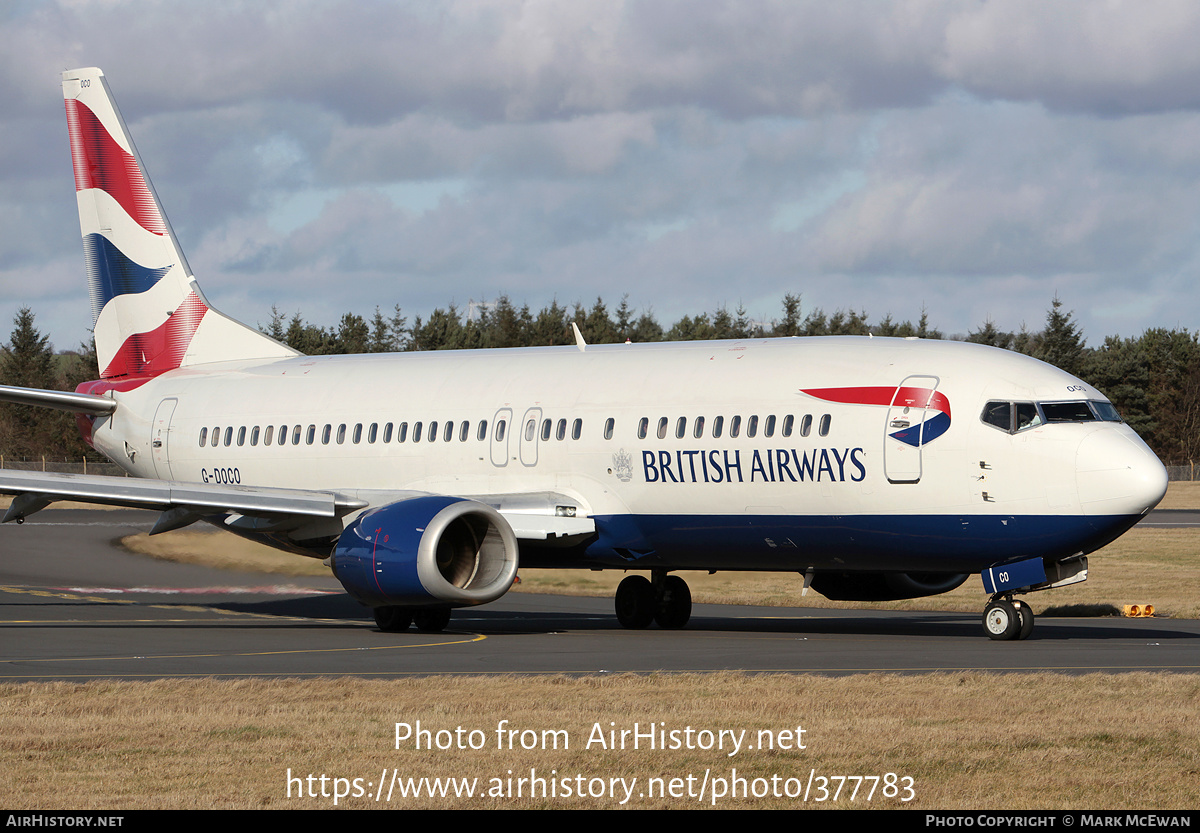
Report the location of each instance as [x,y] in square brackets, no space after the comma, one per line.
[393,618]
[1005,618]
[664,599]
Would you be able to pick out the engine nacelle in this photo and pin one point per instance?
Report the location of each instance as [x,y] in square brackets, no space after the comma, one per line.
[884,587]
[435,550]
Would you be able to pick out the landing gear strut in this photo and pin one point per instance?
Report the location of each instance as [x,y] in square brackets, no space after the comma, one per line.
[1004,618]
[665,600]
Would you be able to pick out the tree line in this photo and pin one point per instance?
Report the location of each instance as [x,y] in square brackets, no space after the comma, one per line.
[1153,379]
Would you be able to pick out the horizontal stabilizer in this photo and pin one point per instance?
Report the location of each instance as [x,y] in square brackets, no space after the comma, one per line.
[80,403]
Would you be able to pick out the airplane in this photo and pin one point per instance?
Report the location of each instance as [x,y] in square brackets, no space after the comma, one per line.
[876,468]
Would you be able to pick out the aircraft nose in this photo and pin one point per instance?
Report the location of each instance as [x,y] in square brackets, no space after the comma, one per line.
[1117,473]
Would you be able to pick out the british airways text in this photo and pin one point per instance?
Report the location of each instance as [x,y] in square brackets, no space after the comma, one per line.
[771,465]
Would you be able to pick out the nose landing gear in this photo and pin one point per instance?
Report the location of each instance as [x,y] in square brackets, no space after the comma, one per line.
[1004,618]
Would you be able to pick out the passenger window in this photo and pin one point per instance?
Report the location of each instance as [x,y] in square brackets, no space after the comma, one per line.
[448,431]
[577,429]
[560,433]
[203,436]
[402,432]
[698,427]
[787,425]
[296,435]
[312,434]
[680,427]
[823,430]
[481,434]
[355,435]
[387,432]
[769,428]
[718,424]
[373,432]
[254,435]
[326,434]
[662,428]
[530,430]
[752,426]
[545,429]
[643,426]
[608,428]
[500,426]
[229,436]
[432,435]
[216,437]
[268,434]
[417,426]
[463,431]
[806,425]
[735,426]
[242,435]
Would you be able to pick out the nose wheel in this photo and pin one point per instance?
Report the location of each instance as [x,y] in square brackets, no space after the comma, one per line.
[1007,619]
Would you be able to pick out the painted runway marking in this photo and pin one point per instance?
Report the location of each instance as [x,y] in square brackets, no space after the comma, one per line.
[266,590]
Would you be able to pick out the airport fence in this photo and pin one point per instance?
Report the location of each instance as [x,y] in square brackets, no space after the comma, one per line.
[1187,471]
[62,465]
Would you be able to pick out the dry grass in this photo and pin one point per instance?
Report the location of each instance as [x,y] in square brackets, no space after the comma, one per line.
[206,744]
[1182,494]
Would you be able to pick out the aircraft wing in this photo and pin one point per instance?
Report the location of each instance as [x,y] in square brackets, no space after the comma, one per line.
[539,516]
[180,503]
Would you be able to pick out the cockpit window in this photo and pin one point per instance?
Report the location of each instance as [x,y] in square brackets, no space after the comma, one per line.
[1105,411]
[1011,416]
[1067,412]
[1017,416]
[998,414]
[1027,415]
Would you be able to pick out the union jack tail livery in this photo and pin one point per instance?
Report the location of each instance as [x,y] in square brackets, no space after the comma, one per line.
[148,312]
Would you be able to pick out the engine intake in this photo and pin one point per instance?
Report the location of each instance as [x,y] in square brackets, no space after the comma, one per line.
[428,550]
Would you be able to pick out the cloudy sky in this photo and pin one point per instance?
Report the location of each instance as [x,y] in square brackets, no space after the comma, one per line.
[971,158]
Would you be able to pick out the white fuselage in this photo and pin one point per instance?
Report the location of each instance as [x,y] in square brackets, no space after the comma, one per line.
[755,502]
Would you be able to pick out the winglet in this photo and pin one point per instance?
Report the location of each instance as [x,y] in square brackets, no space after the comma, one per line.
[579,342]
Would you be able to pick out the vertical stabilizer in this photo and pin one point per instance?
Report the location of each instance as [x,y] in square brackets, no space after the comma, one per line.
[148,312]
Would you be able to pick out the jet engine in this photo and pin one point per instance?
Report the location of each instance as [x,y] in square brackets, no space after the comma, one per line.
[884,587]
[433,550]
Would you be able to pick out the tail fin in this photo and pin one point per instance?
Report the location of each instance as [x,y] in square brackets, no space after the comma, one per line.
[148,312]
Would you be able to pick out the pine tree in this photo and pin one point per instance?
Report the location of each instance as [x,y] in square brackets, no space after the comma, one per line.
[27,361]
[1061,343]
[991,335]
[790,324]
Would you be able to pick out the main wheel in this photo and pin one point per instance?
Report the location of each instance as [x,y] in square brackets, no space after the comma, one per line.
[1026,614]
[391,618]
[1001,620]
[432,619]
[635,602]
[674,605]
